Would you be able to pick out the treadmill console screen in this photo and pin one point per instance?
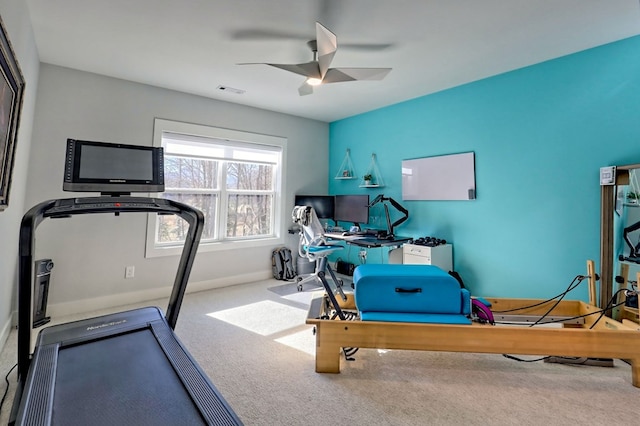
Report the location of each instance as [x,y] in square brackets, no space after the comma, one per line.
[112,168]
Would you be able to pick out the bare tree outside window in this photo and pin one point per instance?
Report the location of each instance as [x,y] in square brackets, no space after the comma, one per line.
[172,229]
[249,213]
[191,177]
[241,208]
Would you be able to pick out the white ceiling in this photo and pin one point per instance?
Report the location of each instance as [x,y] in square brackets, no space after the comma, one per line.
[194,46]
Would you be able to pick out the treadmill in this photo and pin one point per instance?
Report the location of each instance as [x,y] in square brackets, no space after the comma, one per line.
[127,368]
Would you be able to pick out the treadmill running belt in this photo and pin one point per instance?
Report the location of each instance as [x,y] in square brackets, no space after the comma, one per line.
[124,379]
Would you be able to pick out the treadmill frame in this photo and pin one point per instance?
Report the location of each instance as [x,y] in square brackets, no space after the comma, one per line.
[67,207]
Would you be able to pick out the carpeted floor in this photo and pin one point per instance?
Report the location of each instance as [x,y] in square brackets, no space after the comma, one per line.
[254,345]
[289,288]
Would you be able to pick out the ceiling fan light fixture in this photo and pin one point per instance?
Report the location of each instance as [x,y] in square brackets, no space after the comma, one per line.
[314,81]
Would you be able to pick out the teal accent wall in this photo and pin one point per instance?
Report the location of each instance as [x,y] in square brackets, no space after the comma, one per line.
[540,135]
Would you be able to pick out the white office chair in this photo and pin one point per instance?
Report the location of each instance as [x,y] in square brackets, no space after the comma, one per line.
[314,247]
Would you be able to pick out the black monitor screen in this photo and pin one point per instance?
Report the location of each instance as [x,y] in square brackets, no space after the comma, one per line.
[133,164]
[352,208]
[322,204]
[112,168]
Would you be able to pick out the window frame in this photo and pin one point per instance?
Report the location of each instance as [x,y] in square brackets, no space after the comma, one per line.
[234,136]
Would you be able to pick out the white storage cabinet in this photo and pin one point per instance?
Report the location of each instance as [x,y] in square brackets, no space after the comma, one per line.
[441,256]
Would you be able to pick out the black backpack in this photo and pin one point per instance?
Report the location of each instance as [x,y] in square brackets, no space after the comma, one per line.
[282,264]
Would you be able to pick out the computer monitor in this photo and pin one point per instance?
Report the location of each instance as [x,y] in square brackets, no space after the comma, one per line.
[322,204]
[352,208]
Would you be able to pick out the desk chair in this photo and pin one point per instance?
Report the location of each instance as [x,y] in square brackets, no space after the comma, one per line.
[313,246]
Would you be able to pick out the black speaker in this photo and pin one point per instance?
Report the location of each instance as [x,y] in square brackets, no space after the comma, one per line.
[42,274]
[345,268]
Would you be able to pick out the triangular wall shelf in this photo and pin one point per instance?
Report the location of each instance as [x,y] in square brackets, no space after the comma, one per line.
[346,170]
[374,172]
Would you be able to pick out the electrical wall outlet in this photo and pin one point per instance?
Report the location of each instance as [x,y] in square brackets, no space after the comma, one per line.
[129,271]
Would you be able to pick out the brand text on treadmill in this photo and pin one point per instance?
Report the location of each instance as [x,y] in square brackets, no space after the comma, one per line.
[109,324]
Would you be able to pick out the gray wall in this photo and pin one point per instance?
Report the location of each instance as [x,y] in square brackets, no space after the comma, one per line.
[18,26]
[90,253]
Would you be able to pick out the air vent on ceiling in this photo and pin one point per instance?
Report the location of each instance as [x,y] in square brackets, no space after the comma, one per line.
[231,90]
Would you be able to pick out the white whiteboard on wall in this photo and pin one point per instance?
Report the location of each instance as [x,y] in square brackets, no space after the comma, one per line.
[444,177]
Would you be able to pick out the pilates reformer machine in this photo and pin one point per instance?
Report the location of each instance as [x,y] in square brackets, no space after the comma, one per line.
[585,330]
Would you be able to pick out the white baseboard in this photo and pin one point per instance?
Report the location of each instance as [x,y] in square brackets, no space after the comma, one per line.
[228,281]
[5,330]
[106,302]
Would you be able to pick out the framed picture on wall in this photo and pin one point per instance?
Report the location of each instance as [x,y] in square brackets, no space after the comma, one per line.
[11,91]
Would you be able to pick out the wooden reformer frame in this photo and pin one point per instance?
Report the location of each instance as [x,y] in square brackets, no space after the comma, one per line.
[606,339]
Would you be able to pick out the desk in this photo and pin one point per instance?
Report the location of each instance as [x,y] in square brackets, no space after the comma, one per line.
[368,241]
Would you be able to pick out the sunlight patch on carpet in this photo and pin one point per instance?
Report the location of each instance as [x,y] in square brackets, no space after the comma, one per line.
[300,297]
[303,341]
[264,318]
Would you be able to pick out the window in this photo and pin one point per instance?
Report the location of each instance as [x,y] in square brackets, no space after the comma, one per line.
[234,178]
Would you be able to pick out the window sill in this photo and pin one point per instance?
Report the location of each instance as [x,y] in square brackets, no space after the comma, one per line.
[214,246]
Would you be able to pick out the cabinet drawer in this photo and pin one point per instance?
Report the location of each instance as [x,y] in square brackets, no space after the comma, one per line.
[413,259]
[440,256]
[415,250]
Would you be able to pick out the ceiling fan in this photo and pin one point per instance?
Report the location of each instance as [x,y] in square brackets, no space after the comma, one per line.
[317,71]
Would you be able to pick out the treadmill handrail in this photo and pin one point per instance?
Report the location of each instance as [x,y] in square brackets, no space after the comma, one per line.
[67,207]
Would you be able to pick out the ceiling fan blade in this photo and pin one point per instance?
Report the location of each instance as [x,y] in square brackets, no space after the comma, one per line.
[305,89]
[307,69]
[327,43]
[336,75]
[366,46]
[266,34]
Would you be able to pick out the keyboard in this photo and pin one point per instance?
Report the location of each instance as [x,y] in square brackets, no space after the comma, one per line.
[338,235]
